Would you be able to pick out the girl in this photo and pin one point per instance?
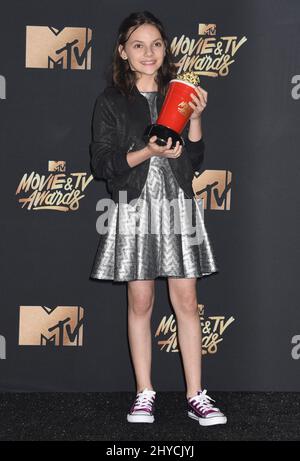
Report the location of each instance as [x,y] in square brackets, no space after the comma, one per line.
[152,176]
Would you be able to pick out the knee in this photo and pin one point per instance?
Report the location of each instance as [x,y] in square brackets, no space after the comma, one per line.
[141,305]
[186,305]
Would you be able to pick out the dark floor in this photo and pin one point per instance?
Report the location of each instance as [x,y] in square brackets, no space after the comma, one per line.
[102,416]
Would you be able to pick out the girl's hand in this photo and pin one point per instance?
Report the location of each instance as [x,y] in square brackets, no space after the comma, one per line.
[199,103]
[164,151]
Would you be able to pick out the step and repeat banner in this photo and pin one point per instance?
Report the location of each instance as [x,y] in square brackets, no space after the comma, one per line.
[61,330]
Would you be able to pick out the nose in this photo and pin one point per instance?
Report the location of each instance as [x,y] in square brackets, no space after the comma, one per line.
[149,52]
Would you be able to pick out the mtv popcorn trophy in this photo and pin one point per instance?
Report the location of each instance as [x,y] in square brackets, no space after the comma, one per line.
[175,111]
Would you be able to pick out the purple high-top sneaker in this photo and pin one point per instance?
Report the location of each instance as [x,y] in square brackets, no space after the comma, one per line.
[142,409]
[200,408]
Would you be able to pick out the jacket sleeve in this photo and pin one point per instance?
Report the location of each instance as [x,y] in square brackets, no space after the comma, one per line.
[194,149]
[107,161]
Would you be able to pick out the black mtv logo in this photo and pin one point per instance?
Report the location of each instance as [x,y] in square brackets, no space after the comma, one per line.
[44,326]
[64,334]
[71,54]
[214,187]
[58,48]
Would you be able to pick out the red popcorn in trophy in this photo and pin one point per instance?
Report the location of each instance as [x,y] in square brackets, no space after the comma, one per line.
[175,111]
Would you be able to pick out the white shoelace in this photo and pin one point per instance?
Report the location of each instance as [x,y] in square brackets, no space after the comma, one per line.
[202,401]
[144,399]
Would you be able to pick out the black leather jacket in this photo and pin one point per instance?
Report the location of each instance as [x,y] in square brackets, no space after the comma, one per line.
[117,128]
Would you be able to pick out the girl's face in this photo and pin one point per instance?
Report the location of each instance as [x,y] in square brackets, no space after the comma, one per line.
[144,50]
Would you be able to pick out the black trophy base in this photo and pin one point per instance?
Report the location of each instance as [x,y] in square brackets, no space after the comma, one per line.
[162,132]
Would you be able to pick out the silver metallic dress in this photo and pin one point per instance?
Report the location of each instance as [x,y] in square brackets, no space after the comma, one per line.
[163,244]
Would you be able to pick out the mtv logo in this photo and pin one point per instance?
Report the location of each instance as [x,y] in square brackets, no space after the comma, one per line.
[2,348]
[51,48]
[214,187]
[56,165]
[44,326]
[207,29]
[183,108]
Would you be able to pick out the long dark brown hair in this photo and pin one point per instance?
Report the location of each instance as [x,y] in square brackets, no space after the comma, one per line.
[122,77]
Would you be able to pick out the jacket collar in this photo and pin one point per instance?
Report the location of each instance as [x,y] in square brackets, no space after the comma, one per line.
[139,96]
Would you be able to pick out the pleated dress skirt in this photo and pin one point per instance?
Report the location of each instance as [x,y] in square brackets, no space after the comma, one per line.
[162,235]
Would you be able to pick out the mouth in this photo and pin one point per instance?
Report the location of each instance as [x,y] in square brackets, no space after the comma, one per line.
[148,63]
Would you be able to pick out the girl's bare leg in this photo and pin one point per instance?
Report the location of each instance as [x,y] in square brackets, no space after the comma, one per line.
[183,295]
[140,307]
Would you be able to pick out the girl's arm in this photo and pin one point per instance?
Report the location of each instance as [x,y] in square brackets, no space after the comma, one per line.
[195,149]
[106,159]
[195,130]
[138,156]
